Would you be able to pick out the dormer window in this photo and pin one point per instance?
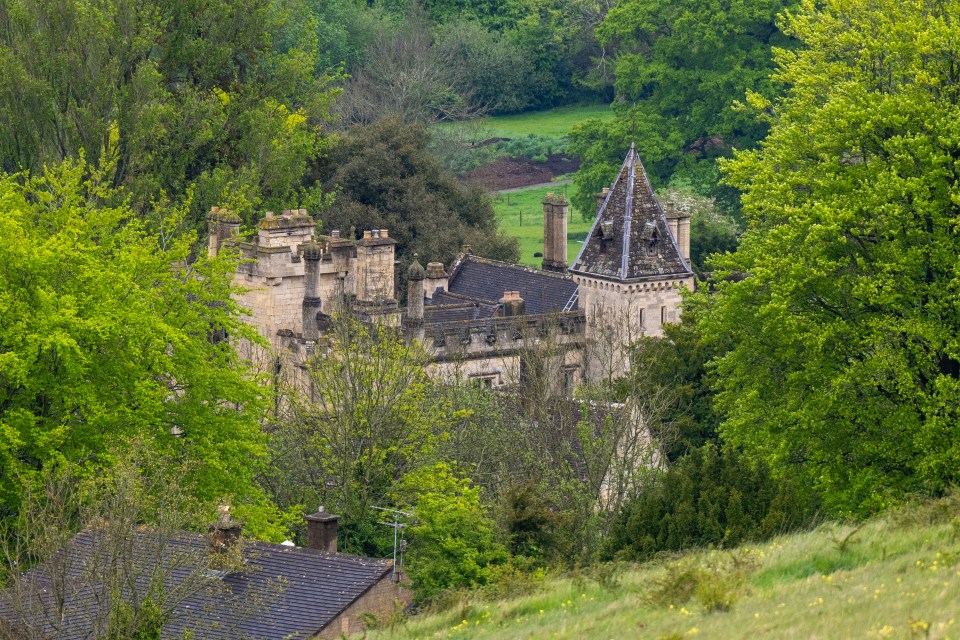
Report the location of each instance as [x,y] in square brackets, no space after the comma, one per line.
[650,237]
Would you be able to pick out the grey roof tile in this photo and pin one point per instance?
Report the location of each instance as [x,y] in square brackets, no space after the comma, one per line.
[630,238]
[285,592]
[485,280]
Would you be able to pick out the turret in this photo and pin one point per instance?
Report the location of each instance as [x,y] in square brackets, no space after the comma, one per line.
[312,254]
[222,224]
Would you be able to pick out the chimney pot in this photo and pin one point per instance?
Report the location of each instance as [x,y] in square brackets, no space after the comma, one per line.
[269,215]
[366,235]
[384,234]
[335,233]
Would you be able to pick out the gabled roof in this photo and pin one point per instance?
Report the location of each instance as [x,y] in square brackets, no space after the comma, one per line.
[630,238]
[484,281]
[282,591]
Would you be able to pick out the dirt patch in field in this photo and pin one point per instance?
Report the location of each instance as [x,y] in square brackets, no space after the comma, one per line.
[510,173]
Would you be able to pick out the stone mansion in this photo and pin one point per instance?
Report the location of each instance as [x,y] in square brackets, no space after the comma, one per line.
[475,316]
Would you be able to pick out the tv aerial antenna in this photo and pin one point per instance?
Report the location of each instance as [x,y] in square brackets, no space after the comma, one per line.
[399,544]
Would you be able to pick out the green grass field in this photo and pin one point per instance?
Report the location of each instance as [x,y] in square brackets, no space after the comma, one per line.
[552,123]
[897,577]
[527,204]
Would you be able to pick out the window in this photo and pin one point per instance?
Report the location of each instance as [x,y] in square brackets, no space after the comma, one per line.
[663,315]
[484,381]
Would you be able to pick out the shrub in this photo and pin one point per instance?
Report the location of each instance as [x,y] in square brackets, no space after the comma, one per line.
[452,544]
[710,497]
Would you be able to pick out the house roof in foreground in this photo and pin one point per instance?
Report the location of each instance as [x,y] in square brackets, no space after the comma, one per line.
[282,591]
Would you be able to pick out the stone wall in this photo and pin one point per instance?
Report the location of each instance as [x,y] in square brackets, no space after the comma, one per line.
[619,313]
[380,600]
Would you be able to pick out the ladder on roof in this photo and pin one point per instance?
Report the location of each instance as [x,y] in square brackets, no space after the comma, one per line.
[573,300]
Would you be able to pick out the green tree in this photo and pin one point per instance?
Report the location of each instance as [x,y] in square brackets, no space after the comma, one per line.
[220,96]
[710,497]
[388,179]
[677,363]
[681,67]
[369,417]
[840,303]
[106,341]
[452,543]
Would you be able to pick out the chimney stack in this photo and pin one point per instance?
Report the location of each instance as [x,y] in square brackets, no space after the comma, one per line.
[415,276]
[513,304]
[554,233]
[435,278]
[224,533]
[322,531]
[601,197]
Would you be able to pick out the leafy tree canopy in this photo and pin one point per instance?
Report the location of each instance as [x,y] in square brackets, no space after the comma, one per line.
[711,496]
[388,179]
[106,342]
[220,96]
[453,541]
[681,68]
[846,357]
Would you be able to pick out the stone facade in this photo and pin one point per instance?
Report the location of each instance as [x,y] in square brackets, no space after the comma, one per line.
[478,318]
[632,267]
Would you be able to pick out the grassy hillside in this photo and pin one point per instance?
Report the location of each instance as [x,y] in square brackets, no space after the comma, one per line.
[896,577]
[526,204]
[552,123]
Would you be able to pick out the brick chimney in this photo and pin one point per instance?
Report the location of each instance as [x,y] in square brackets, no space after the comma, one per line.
[554,233]
[224,534]
[322,531]
[513,304]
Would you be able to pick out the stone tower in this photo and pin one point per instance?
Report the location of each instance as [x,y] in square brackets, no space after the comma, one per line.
[631,267]
[555,210]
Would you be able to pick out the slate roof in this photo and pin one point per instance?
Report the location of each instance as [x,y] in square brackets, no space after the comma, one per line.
[474,311]
[283,591]
[484,281]
[630,238]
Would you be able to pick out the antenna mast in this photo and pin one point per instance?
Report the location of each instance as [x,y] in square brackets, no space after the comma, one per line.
[397,527]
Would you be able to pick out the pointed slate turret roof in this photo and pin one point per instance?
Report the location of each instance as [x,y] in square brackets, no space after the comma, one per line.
[630,238]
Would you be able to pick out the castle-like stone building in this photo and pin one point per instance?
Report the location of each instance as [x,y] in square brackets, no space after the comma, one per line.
[477,316]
